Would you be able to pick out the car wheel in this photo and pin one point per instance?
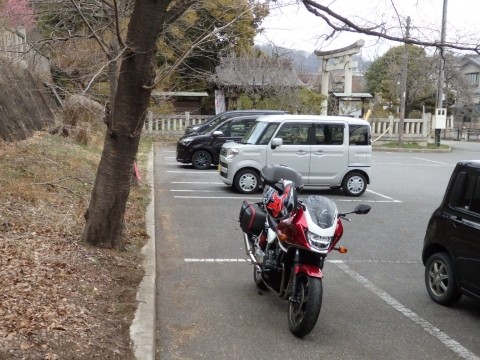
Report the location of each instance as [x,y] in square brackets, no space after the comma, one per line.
[354,184]
[440,279]
[247,181]
[201,160]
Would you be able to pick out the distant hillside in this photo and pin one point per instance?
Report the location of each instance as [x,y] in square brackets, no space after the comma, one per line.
[304,62]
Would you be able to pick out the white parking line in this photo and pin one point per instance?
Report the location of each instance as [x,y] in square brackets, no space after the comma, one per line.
[216,260]
[408,164]
[381,195]
[433,161]
[197,191]
[259,198]
[197,182]
[216,197]
[189,172]
[450,343]
[446,340]
[220,260]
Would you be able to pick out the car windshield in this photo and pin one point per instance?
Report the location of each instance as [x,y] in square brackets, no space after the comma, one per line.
[259,133]
[215,121]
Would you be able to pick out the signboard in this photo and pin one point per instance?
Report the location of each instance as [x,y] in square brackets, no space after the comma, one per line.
[440,118]
[219,102]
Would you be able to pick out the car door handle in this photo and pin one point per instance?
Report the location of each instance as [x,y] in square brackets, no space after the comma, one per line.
[319,152]
[456,221]
[301,152]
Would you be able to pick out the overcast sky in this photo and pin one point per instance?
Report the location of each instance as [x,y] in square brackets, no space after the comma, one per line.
[290,25]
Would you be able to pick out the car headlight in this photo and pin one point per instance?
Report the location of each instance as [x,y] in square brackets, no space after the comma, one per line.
[186,141]
[318,242]
[231,153]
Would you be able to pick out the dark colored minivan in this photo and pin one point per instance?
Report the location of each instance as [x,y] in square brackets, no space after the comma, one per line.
[451,250]
[203,150]
[213,122]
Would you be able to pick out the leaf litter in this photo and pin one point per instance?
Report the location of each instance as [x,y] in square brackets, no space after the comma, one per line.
[61,298]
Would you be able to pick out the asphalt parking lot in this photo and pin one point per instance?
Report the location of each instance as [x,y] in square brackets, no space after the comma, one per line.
[375,305]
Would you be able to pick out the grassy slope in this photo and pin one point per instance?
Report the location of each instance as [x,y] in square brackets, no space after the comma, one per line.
[60,298]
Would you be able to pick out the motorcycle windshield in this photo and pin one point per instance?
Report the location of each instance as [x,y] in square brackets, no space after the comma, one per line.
[322,210]
[274,173]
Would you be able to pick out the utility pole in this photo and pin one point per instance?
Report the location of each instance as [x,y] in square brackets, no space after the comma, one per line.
[403,95]
[441,75]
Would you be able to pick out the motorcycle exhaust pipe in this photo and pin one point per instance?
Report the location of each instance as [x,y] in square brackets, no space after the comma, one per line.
[249,250]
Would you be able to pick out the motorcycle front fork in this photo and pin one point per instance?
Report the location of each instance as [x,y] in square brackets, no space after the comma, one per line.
[296,261]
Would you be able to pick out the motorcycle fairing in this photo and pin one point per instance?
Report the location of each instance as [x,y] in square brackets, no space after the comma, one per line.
[310,270]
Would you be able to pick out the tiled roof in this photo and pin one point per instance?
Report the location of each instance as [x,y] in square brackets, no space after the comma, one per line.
[472,58]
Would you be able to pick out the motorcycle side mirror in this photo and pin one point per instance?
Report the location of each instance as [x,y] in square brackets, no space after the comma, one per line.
[362,209]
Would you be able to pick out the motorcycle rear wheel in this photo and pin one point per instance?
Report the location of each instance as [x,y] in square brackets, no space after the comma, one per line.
[257,278]
[304,310]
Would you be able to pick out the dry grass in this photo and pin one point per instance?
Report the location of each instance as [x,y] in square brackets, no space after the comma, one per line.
[62,299]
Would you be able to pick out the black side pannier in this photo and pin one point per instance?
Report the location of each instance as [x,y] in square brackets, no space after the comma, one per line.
[252,217]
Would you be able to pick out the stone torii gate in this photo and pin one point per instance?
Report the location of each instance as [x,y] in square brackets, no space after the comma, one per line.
[341,60]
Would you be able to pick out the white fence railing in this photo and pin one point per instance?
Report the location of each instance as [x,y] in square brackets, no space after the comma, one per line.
[383,130]
[14,47]
[414,130]
[172,124]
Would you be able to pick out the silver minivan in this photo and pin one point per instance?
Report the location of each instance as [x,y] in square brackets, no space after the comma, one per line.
[329,151]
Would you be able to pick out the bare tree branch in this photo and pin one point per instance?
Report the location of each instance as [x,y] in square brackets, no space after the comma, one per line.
[117,24]
[207,36]
[342,24]
[87,23]
[178,10]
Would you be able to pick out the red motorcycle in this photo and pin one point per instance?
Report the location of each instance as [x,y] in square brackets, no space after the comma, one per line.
[288,239]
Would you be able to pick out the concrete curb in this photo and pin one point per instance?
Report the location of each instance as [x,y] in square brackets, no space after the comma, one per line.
[142,330]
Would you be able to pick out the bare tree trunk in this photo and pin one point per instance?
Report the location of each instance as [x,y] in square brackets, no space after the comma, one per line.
[105,214]
[112,69]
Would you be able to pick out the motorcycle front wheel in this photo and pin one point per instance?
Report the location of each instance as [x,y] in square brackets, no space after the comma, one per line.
[303,311]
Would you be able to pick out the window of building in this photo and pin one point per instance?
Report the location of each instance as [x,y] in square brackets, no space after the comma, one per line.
[472,78]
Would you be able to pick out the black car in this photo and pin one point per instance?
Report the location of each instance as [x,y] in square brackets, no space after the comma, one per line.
[203,150]
[451,250]
[213,122]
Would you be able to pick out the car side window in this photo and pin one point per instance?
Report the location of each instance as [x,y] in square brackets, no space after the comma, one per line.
[329,134]
[294,134]
[469,196]
[239,128]
[360,135]
[224,128]
[267,135]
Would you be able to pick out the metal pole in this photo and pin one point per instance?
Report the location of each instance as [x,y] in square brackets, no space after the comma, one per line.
[441,71]
[403,95]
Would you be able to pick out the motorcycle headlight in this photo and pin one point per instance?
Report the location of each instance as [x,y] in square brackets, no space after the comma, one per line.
[318,242]
[231,153]
[186,141]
